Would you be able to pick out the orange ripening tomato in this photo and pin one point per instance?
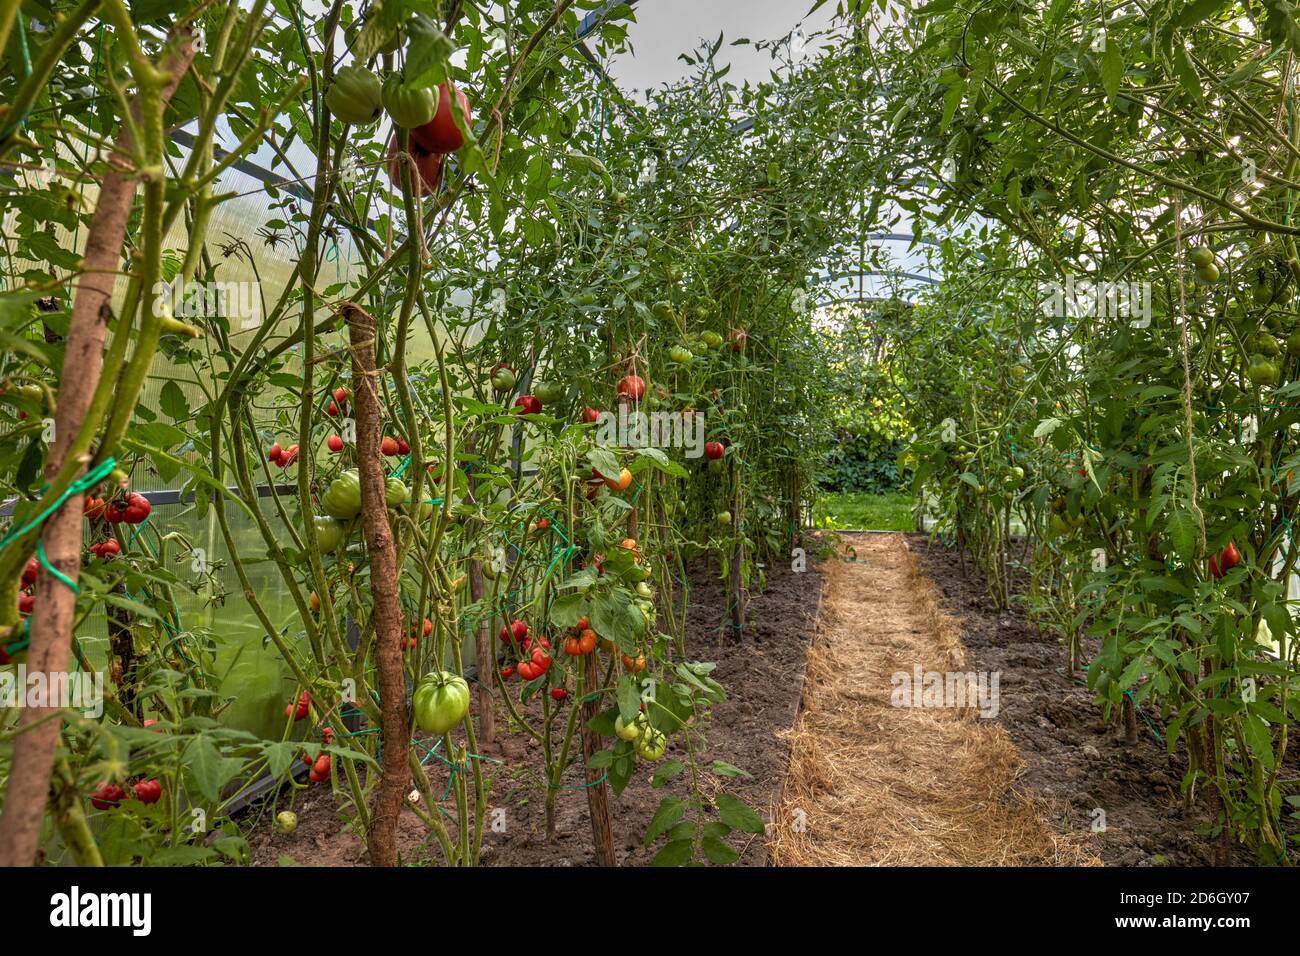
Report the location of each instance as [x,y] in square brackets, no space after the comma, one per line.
[623,482]
[634,666]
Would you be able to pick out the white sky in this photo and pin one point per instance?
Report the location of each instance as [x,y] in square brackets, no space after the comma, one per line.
[665,28]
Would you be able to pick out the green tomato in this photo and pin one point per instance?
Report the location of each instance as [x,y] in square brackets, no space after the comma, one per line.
[549,392]
[586,298]
[1265,344]
[1293,344]
[645,590]
[680,354]
[440,702]
[355,96]
[408,107]
[342,499]
[652,744]
[629,732]
[286,821]
[1202,257]
[329,533]
[503,379]
[724,519]
[1261,371]
[711,339]
[396,493]
[1208,273]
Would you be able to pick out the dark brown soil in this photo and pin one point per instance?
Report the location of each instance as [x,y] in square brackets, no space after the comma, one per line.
[1071,755]
[762,673]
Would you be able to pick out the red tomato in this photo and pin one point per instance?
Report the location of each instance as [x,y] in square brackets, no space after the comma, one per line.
[26,604]
[333,410]
[558,693]
[428,167]
[340,394]
[138,507]
[527,671]
[590,415]
[320,770]
[335,444]
[440,134]
[737,339]
[106,795]
[714,450]
[633,386]
[148,791]
[1230,557]
[273,453]
[507,672]
[517,629]
[388,446]
[528,404]
[402,447]
[30,570]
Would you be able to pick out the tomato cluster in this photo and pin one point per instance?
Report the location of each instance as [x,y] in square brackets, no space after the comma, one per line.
[106,796]
[299,710]
[284,457]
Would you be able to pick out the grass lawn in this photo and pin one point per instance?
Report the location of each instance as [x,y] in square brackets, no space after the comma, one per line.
[890,512]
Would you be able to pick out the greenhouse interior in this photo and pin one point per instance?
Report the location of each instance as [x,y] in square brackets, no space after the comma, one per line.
[779,434]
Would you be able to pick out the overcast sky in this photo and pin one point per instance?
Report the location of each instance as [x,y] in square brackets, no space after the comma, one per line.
[665,28]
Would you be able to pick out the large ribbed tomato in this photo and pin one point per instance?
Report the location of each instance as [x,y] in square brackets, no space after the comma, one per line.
[440,702]
[428,166]
[342,499]
[440,134]
[355,96]
[408,108]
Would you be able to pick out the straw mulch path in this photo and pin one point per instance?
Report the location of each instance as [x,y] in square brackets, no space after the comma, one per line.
[875,785]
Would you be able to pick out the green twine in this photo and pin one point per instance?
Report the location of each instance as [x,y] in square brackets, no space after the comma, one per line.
[88,480]
[586,786]
[53,571]
[397,472]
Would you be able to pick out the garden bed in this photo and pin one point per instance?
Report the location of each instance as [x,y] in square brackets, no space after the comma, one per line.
[763,675]
[1071,755]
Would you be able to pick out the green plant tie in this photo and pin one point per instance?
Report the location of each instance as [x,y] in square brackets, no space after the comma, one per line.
[53,571]
[86,481]
[585,786]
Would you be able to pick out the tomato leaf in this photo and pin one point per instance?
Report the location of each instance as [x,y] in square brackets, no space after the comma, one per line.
[718,852]
[666,772]
[677,853]
[738,814]
[666,815]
